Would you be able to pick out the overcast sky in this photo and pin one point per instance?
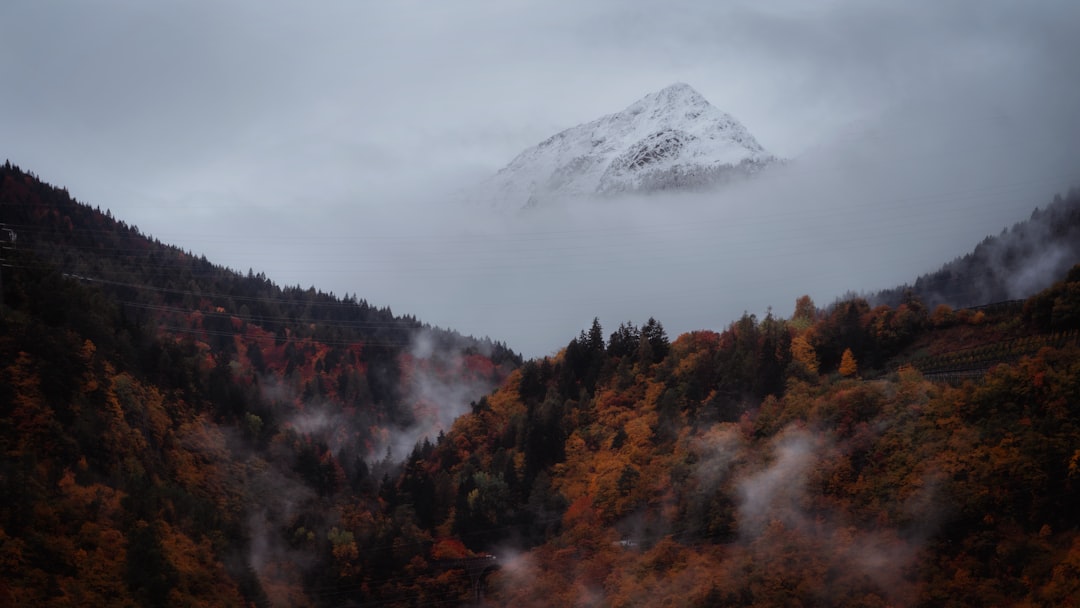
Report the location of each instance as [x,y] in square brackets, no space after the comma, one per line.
[323,143]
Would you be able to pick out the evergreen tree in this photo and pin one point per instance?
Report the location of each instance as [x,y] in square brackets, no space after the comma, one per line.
[623,342]
[653,333]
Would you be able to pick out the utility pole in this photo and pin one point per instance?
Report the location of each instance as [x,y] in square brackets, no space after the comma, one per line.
[7,241]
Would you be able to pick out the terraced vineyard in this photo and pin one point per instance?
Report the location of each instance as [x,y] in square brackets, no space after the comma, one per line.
[973,362]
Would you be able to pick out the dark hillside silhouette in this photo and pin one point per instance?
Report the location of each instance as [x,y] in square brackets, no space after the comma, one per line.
[176,433]
[1014,265]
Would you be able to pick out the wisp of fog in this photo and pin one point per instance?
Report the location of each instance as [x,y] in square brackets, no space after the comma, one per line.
[871,210]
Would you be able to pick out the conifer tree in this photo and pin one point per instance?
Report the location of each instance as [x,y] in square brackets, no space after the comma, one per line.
[848,366]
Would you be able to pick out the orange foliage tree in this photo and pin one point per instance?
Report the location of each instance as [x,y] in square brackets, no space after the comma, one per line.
[848,366]
[802,352]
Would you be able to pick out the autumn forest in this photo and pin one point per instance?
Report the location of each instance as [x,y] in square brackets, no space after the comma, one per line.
[177,433]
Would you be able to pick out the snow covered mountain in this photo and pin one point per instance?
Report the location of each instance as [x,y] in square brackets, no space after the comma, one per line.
[671,139]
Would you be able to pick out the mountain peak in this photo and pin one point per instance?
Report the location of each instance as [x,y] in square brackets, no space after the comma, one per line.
[679,91]
[679,87]
[672,139]
[671,100]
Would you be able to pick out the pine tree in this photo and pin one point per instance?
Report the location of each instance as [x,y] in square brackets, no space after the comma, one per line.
[594,340]
[653,333]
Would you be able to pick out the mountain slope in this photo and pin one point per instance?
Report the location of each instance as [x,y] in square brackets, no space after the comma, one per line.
[1016,264]
[176,433]
[671,139]
[754,467]
[181,435]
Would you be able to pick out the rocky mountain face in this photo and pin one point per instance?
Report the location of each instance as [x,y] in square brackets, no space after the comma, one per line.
[673,139]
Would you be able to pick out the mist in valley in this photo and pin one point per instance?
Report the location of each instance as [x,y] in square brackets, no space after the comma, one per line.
[345,159]
[341,147]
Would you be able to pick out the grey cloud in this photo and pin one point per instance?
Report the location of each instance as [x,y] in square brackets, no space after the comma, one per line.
[323,144]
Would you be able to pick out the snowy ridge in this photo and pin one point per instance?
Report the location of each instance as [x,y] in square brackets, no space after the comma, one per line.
[671,139]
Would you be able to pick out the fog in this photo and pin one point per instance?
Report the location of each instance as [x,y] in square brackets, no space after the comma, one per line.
[857,216]
[336,147]
[777,497]
[438,389]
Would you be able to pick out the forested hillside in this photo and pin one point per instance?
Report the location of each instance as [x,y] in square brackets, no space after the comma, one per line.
[174,433]
[1015,264]
[168,425]
[781,462]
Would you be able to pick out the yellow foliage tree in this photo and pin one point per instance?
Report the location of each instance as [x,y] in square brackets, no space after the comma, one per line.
[803,352]
[848,366]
